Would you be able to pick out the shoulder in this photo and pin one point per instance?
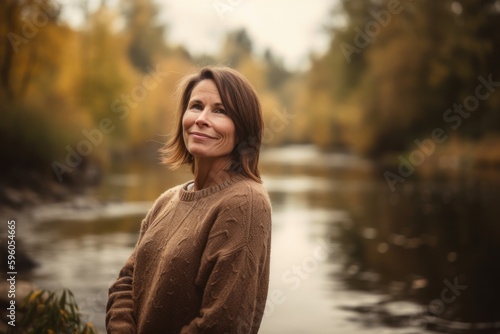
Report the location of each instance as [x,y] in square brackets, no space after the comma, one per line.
[247,205]
[244,219]
[162,200]
[247,194]
[169,193]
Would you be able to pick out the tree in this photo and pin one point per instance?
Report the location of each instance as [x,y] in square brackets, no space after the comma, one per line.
[147,35]
[26,25]
[391,72]
[237,47]
[277,74]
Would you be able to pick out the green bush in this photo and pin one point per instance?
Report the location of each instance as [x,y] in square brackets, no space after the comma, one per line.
[50,312]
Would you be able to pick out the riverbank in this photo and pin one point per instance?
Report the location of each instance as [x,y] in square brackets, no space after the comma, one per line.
[24,188]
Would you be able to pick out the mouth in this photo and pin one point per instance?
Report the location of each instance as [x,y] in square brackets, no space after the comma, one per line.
[200,135]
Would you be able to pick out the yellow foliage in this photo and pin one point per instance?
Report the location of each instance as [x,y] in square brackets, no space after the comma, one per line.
[254,72]
[154,116]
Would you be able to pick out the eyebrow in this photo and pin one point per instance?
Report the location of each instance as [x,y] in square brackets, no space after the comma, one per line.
[201,102]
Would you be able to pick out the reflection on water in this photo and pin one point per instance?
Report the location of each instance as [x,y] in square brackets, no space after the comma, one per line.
[436,243]
[348,255]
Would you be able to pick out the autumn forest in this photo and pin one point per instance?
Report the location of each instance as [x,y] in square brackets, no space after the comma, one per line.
[398,76]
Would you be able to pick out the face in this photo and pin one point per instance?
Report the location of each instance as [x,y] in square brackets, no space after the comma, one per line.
[207,130]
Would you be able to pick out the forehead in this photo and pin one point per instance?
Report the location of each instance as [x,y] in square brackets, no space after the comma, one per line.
[205,88]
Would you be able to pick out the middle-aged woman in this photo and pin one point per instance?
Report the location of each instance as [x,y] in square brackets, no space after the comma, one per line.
[201,264]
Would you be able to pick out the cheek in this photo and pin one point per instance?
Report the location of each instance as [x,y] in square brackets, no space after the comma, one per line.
[185,126]
[230,133]
[186,121]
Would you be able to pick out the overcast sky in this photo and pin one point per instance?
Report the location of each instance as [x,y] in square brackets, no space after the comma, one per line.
[292,29]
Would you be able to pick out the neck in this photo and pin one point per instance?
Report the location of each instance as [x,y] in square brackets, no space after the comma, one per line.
[210,172]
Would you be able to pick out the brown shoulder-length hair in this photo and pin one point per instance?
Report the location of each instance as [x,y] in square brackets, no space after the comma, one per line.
[242,105]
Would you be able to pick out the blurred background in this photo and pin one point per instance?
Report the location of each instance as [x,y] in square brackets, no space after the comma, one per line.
[381,151]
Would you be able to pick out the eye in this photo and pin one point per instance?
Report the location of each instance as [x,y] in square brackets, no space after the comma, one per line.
[220,111]
[196,106]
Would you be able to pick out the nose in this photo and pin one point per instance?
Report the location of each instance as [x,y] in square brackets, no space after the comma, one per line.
[202,119]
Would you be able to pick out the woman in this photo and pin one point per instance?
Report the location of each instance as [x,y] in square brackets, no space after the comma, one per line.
[201,264]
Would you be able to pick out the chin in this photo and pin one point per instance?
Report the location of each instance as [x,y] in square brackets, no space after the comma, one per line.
[199,152]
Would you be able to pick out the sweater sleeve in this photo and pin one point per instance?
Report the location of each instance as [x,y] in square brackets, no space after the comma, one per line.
[234,271]
[120,306]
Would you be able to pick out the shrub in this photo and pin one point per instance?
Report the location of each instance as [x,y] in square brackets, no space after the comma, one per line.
[50,312]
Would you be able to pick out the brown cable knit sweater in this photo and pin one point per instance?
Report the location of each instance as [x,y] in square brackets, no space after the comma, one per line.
[201,264]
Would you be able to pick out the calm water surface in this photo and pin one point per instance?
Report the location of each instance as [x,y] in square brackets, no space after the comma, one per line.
[348,255]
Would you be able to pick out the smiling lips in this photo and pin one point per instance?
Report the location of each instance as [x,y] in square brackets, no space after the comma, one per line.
[199,135]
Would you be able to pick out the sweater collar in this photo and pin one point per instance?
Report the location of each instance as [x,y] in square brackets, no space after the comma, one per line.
[186,195]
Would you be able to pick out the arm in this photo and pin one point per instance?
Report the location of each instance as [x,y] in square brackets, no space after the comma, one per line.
[234,272]
[120,307]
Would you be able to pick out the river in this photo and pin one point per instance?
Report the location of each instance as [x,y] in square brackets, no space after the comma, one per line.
[348,254]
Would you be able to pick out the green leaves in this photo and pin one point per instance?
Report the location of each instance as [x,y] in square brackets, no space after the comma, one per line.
[44,311]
